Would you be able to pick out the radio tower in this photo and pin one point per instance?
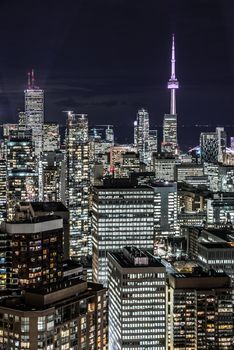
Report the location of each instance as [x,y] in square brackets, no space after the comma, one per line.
[169,144]
[173,83]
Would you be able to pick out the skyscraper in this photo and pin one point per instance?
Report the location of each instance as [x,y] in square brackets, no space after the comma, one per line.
[121,212]
[200,311]
[37,249]
[165,208]
[34,110]
[22,175]
[51,137]
[56,309]
[78,183]
[142,135]
[170,143]
[137,300]
[213,145]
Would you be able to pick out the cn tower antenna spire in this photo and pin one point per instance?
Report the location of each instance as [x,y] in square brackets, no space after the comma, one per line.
[173,57]
[173,83]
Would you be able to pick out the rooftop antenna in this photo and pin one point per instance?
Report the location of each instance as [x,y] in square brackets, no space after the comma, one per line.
[29,80]
[33,79]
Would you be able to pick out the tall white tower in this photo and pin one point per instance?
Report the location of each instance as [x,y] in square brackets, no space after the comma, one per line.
[170,120]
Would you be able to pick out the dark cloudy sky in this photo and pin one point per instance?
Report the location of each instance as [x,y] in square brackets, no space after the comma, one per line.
[109,57]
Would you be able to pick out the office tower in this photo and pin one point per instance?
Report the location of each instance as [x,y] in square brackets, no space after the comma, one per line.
[54,176]
[22,121]
[121,212]
[165,208]
[184,171]
[135,133]
[153,141]
[212,171]
[217,255]
[170,143]
[228,157]
[78,184]
[200,311]
[51,137]
[116,154]
[213,145]
[109,133]
[142,135]
[7,129]
[164,166]
[37,249]
[130,163]
[34,110]
[22,176]
[137,300]
[220,208]
[101,139]
[222,143]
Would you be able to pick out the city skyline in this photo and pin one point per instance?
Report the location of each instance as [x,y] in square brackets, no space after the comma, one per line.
[99,67]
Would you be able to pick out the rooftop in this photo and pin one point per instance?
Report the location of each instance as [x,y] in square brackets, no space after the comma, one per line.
[35,220]
[48,206]
[217,245]
[199,280]
[133,257]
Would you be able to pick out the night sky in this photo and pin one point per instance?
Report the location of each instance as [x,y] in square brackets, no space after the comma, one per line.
[108,58]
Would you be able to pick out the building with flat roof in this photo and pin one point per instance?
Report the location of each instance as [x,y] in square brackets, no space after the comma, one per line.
[200,311]
[122,213]
[67,315]
[137,300]
[36,249]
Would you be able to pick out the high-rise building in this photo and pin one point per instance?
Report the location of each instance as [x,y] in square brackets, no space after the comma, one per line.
[54,176]
[200,311]
[70,315]
[220,209]
[56,309]
[213,145]
[34,111]
[164,166]
[137,301]
[142,135]
[37,249]
[170,142]
[22,175]
[153,141]
[22,121]
[110,134]
[183,172]
[165,208]
[78,184]
[51,137]
[121,212]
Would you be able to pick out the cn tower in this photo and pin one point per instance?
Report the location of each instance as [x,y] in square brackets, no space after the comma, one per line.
[169,144]
[173,83]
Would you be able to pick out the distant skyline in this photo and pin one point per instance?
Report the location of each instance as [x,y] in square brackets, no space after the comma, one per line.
[108,58]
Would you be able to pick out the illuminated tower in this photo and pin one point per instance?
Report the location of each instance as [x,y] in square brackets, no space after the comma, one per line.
[78,181]
[22,175]
[142,135]
[170,120]
[34,110]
